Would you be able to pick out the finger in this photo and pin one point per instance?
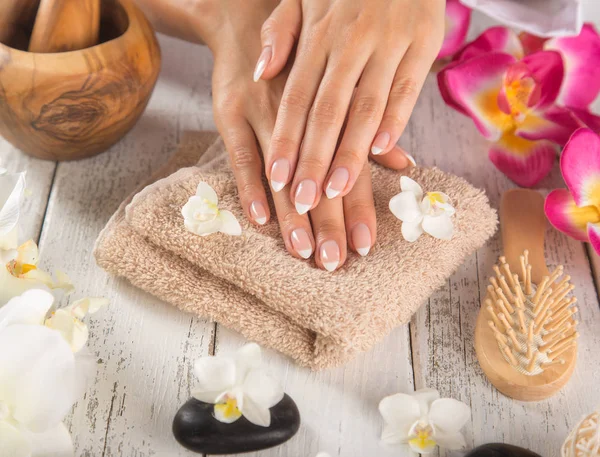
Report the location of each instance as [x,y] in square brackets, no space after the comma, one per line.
[359,213]
[247,168]
[278,35]
[364,118]
[396,159]
[296,229]
[296,101]
[330,234]
[323,128]
[408,82]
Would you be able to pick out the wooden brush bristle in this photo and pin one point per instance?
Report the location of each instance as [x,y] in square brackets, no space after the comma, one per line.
[533,324]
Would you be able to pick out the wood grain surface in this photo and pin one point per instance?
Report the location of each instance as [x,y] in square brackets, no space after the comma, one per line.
[145,349]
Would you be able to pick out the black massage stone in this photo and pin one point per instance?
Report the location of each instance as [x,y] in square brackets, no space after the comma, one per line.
[501,450]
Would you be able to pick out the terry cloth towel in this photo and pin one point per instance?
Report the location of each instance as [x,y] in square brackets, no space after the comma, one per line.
[251,284]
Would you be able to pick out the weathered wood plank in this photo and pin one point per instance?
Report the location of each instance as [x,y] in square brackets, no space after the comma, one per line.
[339,407]
[144,348]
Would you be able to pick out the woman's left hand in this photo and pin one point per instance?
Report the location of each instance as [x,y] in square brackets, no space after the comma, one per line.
[383,48]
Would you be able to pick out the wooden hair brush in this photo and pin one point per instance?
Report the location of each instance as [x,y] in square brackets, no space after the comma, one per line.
[526,338]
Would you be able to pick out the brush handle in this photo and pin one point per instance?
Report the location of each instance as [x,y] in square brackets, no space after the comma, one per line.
[523,225]
[65,25]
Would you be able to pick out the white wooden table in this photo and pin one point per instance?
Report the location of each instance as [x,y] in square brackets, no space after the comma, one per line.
[146,348]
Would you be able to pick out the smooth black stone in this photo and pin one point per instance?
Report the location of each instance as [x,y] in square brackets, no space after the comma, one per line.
[196,429]
[501,450]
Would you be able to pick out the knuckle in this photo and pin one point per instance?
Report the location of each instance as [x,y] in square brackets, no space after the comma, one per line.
[269,27]
[283,145]
[404,88]
[360,208]
[295,100]
[289,221]
[368,108]
[248,190]
[395,119]
[330,227]
[228,104]
[310,163]
[324,111]
[242,157]
[353,156]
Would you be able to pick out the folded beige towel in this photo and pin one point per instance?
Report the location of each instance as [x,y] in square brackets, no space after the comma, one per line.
[251,284]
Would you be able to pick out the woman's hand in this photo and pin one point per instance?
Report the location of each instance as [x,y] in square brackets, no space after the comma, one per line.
[383,48]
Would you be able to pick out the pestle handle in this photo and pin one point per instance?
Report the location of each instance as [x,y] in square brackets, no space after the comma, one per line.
[65,25]
[523,226]
[15,15]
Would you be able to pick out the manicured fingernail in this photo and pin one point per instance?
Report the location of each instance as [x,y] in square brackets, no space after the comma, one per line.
[280,172]
[263,61]
[330,255]
[301,243]
[337,183]
[305,196]
[411,159]
[380,142]
[361,237]
[258,213]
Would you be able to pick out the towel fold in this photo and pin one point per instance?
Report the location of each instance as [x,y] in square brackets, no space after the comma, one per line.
[251,284]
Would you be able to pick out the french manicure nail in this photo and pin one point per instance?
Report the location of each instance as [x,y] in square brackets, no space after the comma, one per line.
[263,61]
[301,243]
[337,183]
[380,142]
[280,172]
[258,213]
[330,255]
[411,159]
[305,196]
[361,237]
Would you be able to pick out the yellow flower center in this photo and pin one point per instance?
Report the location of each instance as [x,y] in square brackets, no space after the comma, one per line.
[229,409]
[19,269]
[518,94]
[435,197]
[423,439]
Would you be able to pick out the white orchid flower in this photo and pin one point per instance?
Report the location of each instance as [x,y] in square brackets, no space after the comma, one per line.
[237,386]
[19,272]
[203,217]
[430,213]
[323,454]
[12,188]
[40,379]
[423,421]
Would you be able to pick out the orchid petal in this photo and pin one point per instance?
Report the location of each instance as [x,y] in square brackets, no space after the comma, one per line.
[524,162]
[40,277]
[73,330]
[263,389]
[428,448]
[84,306]
[30,308]
[227,411]
[207,193]
[229,223]
[256,414]
[547,69]
[399,412]
[475,84]
[204,228]
[37,375]
[585,118]
[411,231]
[28,253]
[12,442]
[580,166]
[555,124]
[410,185]
[215,375]
[11,196]
[406,207]
[458,18]
[564,214]
[494,39]
[446,92]
[55,442]
[64,282]
[581,55]
[392,435]
[594,236]
[531,43]
[426,397]
[451,441]
[9,242]
[11,286]
[440,227]
[449,415]
[247,358]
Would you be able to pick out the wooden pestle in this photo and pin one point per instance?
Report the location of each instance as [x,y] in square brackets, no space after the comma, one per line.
[15,15]
[65,25]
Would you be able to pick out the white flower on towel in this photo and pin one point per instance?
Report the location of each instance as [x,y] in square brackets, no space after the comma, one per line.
[203,217]
[237,386]
[423,421]
[430,213]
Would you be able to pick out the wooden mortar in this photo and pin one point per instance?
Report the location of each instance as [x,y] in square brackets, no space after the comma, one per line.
[70,105]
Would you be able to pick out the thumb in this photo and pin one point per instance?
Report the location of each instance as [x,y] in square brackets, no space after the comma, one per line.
[278,36]
[396,159]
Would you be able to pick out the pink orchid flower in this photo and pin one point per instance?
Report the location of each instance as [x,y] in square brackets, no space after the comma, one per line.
[576,211]
[458,18]
[526,104]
